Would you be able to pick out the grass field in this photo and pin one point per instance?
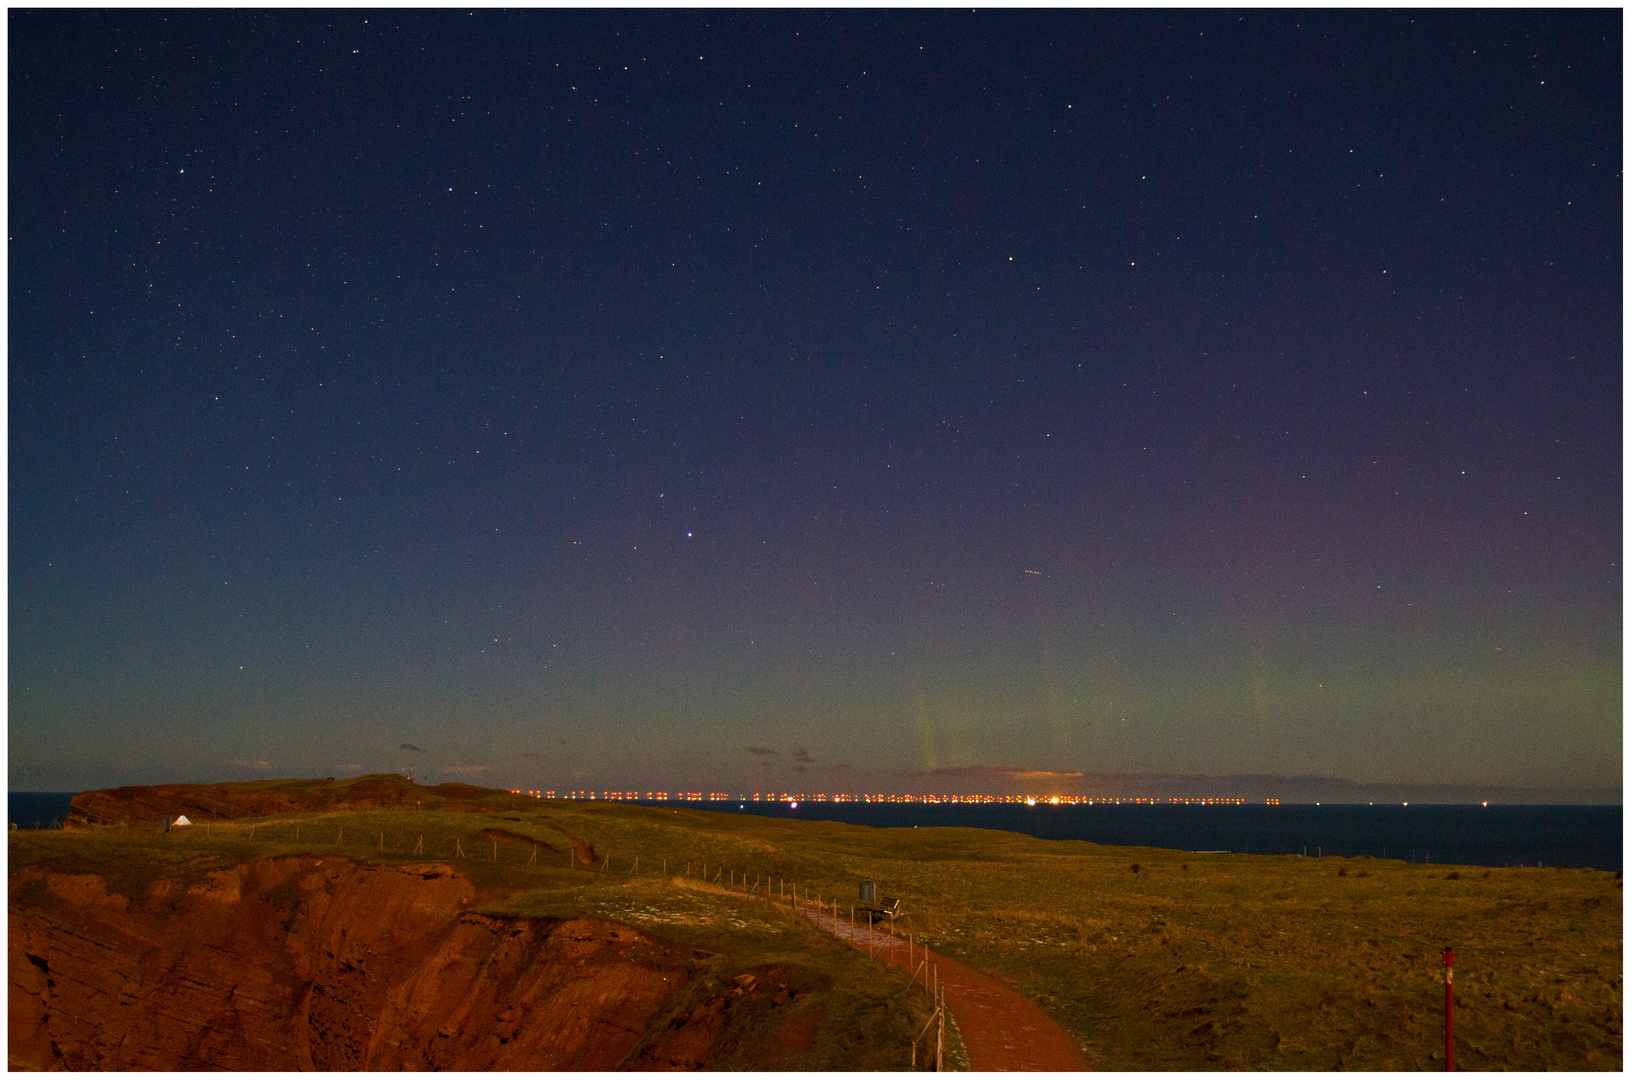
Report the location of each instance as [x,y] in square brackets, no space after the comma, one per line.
[1153,959]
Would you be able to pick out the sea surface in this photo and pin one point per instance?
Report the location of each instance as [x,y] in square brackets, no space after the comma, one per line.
[37,809]
[1464,835]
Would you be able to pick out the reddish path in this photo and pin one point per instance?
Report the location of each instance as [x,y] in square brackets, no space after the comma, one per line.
[1002,1029]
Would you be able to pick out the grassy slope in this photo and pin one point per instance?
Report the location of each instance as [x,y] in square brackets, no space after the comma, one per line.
[1196,961]
[1228,961]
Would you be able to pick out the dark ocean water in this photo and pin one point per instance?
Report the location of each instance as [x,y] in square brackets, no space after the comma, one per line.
[1465,835]
[37,809]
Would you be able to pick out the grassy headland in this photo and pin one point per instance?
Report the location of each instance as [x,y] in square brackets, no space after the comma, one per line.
[1187,962]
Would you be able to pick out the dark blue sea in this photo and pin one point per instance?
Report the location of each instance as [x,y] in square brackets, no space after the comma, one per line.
[38,809]
[1465,835]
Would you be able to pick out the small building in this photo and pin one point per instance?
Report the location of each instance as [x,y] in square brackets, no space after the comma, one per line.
[182,820]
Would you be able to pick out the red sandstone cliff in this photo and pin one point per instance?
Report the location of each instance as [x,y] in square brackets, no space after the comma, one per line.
[328,963]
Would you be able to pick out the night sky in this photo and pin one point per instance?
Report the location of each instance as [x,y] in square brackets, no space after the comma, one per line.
[845,401]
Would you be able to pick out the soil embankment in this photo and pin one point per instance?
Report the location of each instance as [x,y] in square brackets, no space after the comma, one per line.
[1002,1029]
[309,963]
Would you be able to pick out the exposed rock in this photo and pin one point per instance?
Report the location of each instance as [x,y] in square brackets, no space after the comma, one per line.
[500,994]
[333,964]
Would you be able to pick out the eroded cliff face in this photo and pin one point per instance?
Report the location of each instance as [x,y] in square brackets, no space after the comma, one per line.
[308,963]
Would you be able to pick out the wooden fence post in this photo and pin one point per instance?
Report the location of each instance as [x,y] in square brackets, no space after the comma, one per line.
[940,1035]
[1449,1009]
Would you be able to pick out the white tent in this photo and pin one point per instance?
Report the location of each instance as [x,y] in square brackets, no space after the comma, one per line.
[182,820]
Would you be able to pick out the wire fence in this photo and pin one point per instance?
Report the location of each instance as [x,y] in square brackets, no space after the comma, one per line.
[861,927]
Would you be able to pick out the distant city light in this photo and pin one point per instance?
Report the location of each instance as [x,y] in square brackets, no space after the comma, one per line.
[910,798]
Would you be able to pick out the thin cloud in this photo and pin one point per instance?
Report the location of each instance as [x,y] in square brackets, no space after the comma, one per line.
[763,751]
[995,772]
[802,756]
[411,746]
[465,770]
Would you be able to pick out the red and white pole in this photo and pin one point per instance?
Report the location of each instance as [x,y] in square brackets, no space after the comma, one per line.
[1449,1009]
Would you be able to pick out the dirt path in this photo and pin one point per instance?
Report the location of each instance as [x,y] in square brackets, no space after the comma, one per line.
[1002,1029]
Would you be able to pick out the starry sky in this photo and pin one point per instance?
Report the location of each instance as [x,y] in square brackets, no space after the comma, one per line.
[825,401]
